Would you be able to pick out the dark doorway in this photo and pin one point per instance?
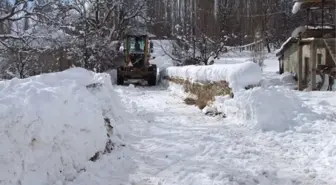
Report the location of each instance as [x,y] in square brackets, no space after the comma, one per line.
[306,70]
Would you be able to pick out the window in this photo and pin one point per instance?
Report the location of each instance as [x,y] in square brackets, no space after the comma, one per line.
[136,45]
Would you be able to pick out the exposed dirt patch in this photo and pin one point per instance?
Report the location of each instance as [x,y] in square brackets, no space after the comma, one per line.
[205,93]
[190,101]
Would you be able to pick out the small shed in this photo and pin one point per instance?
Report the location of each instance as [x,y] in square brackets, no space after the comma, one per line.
[310,53]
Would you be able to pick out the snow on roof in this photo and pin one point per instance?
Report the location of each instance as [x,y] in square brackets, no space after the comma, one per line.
[320,27]
[311,4]
[297,31]
[280,50]
[296,7]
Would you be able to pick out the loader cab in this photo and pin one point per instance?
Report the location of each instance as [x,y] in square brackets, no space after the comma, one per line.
[136,45]
[137,49]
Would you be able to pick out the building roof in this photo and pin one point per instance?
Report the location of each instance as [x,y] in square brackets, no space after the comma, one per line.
[307,33]
[285,45]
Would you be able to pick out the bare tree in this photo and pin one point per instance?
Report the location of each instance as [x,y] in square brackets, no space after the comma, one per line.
[87,32]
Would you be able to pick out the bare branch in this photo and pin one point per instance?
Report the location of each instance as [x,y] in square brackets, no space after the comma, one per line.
[8,36]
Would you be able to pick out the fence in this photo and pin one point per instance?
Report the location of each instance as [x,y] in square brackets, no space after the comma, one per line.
[254,46]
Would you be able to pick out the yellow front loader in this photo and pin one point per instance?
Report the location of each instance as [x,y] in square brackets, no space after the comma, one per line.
[137,49]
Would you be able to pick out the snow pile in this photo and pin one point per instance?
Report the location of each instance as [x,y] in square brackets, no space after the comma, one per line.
[51,125]
[287,78]
[238,76]
[273,79]
[113,75]
[268,109]
[178,90]
[296,7]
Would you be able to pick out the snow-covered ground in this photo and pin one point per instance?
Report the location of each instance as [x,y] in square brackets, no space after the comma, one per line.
[52,124]
[174,143]
[272,135]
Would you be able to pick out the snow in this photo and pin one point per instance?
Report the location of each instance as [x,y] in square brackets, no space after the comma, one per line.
[270,134]
[238,76]
[159,57]
[296,7]
[51,125]
[270,107]
[320,27]
[267,109]
[211,60]
[113,75]
[297,31]
[283,45]
[174,143]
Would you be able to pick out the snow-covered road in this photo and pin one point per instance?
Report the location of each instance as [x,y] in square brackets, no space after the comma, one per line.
[52,124]
[174,143]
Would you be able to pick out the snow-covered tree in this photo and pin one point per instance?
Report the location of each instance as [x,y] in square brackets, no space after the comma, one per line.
[79,32]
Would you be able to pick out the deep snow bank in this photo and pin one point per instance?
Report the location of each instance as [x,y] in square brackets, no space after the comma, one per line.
[238,76]
[267,109]
[51,125]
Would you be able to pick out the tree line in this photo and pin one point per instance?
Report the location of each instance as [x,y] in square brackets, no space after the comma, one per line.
[239,20]
[84,32]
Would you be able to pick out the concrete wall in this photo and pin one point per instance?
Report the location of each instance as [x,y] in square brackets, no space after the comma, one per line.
[306,56]
[291,63]
[329,60]
[290,59]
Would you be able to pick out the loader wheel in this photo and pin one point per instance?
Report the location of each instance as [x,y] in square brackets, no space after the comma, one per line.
[120,79]
[152,77]
[152,80]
